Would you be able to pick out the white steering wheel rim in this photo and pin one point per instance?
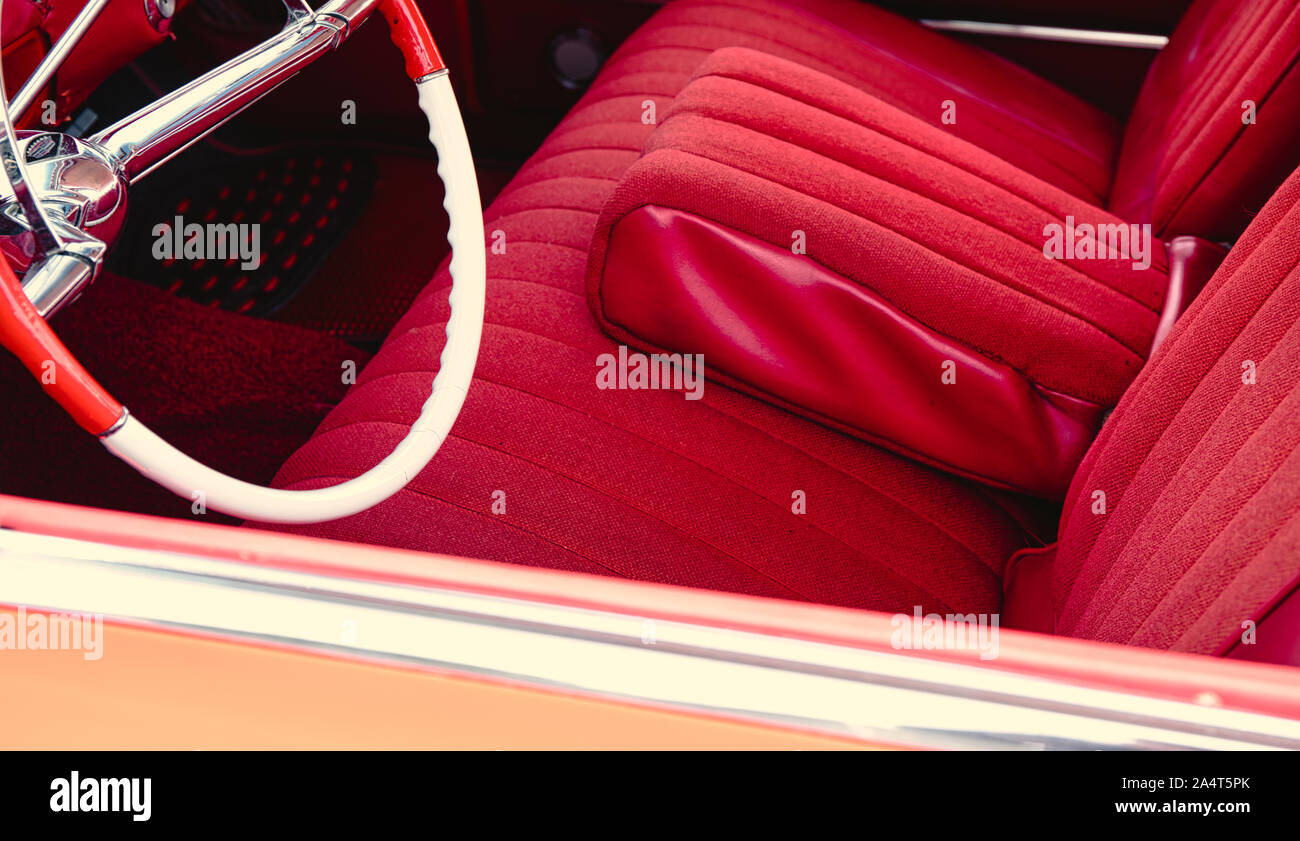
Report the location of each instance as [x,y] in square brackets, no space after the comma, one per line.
[136,444]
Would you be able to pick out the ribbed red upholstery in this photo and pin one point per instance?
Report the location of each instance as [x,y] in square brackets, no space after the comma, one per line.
[1200,468]
[1201,473]
[951,234]
[1001,107]
[944,232]
[639,483]
[1189,164]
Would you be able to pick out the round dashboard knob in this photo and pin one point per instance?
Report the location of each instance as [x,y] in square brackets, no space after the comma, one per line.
[576,57]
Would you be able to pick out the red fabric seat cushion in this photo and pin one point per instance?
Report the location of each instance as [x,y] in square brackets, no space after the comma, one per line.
[545,468]
[1196,159]
[940,233]
[1183,524]
[995,104]
[1201,472]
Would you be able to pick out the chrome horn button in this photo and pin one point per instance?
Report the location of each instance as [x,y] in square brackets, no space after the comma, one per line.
[76,183]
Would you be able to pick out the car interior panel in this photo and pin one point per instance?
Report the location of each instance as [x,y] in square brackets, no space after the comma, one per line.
[955,307]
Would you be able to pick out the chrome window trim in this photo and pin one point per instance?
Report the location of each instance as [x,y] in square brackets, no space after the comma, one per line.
[831,688]
[1095,37]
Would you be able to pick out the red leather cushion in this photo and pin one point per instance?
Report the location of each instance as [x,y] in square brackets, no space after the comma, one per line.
[643,484]
[921,249]
[1199,465]
[1189,163]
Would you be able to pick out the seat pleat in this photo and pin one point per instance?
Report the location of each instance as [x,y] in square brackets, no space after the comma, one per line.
[1197,465]
[647,484]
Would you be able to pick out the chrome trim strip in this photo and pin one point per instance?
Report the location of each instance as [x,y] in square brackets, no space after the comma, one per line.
[832,688]
[1064,34]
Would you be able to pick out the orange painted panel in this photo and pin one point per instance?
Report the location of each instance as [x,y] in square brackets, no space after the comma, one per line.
[152,689]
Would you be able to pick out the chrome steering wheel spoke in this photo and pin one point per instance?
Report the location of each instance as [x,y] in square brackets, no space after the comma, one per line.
[60,276]
[143,141]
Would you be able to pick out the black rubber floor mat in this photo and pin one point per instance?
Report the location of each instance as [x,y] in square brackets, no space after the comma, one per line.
[243,233]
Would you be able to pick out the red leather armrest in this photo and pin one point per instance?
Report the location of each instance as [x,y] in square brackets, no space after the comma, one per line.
[843,259]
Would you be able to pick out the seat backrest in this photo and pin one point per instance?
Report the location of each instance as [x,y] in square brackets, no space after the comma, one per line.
[1217,124]
[1182,524]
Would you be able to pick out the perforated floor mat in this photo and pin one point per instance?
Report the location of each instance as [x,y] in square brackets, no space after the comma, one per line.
[243,233]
